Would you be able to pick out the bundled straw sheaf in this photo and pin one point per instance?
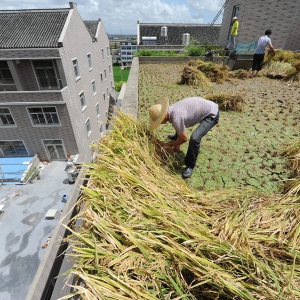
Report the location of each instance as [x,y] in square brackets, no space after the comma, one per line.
[194,77]
[214,72]
[145,234]
[283,64]
[292,152]
[227,102]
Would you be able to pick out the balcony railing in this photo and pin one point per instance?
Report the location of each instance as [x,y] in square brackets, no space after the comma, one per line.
[34,97]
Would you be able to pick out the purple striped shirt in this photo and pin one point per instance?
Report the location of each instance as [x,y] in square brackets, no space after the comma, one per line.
[191,111]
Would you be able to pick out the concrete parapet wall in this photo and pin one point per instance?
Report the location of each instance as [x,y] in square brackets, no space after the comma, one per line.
[176,59]
[122,93]
[131,94]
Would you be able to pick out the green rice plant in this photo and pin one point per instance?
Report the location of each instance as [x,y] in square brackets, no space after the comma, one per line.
[146,234]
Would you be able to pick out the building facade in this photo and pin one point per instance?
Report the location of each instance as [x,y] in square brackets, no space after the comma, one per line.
[56,81]
[127,50]
[255,16]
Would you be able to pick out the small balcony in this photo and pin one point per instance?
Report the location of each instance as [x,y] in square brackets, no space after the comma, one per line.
[31,75]
[34,97]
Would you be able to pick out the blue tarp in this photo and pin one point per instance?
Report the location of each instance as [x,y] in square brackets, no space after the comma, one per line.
[13,168]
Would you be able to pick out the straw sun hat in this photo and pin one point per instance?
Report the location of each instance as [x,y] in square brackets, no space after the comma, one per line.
[158,112]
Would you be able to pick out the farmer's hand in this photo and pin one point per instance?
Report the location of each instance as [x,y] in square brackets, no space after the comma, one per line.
[166,146]
[176,148]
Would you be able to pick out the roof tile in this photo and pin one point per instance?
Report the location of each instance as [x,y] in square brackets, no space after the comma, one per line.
[31,28]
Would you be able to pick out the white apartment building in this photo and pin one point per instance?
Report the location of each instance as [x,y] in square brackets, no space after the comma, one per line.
[56,82]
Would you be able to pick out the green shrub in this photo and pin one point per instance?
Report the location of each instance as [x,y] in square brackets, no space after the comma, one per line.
[117,63]
[118,85]
[143,52]
[194,51]
[146,52]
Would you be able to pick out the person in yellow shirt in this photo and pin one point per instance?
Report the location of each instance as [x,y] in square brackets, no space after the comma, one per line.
[233,33]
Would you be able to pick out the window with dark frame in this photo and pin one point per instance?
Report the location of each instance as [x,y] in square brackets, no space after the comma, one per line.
[88,126]
[76,68]
[90,60]
[94,87]
[6,118]
[5,74]
[46,75]
[43,115]
[82,100]
[13,148]
[97,110]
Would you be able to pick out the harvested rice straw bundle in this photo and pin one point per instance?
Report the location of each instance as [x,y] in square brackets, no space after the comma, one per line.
[280,55]
[147,235]
[215,73]
[239,74]
[277,69]
[294,73]
[227,102]
[292,152]
[194,77]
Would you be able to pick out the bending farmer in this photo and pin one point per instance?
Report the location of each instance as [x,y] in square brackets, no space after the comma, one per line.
[183,114]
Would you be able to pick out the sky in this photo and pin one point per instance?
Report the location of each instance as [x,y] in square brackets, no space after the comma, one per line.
[121,16]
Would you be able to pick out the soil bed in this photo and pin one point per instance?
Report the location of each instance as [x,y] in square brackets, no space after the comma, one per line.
[242,149]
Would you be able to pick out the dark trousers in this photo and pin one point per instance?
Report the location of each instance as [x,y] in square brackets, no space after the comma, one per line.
[258,60]
[195,139]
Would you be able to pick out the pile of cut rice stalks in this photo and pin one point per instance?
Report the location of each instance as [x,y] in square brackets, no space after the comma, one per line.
[227,102]
[145,234]
[200,74]
[292,152]
[283,64]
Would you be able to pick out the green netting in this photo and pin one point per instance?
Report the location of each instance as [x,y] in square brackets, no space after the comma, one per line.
[244,48]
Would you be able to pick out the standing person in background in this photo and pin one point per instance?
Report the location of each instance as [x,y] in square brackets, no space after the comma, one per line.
[264,42]
[233,33]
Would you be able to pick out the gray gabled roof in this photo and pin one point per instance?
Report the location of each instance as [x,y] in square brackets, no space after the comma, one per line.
[201,32]
[91,27]
[31,28]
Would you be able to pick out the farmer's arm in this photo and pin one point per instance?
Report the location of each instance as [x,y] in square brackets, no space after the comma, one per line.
[181,138]
[271,48]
